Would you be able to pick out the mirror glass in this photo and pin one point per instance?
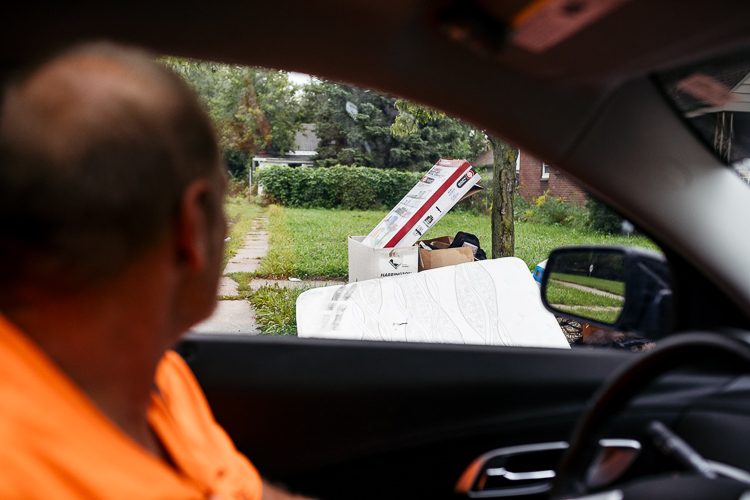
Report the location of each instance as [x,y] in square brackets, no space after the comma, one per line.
[588,284]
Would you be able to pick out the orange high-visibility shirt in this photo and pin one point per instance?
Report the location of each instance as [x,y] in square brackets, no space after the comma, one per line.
[56,444]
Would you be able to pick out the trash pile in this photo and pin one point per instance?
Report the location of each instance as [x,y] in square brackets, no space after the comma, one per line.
[395,246]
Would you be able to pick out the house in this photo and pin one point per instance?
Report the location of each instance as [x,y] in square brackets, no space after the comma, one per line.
[306,142]
[534,178]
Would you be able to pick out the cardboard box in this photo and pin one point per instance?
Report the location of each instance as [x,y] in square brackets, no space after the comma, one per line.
[444,185]
[443,256]
[366,263]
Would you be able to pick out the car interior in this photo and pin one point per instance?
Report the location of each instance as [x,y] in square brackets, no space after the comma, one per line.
[602,90]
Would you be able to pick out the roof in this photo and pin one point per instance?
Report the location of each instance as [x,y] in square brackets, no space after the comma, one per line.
[305,139]
[484,159]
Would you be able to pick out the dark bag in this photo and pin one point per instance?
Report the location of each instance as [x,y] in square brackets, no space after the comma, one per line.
[471,241]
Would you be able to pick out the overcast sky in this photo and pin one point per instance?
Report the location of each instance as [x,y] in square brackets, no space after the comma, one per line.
[299,78]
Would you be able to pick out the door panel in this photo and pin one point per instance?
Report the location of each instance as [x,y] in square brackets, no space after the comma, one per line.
[373,420]
[327,417]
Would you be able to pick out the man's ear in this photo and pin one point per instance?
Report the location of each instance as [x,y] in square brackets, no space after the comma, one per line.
[192,231]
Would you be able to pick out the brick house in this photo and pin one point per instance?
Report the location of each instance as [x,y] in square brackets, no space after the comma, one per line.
[534,177]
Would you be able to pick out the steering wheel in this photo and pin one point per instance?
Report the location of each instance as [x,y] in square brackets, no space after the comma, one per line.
[675,352]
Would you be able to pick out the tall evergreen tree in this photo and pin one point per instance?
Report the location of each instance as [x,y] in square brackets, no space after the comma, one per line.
[356,127]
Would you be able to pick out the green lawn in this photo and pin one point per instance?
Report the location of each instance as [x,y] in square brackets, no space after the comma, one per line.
[615,287]
[560,294]
[608,316]
[535,241]
[280,260]
[314,240]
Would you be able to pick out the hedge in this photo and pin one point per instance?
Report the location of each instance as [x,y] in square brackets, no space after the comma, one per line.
[350,188]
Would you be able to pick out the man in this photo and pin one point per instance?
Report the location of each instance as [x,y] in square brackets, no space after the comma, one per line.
[111,234]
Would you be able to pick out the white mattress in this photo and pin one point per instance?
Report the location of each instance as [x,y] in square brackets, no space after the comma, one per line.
[491,302]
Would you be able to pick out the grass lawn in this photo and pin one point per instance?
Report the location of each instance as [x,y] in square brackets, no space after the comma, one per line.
[608,316]
[313,241]
[280,260]
[565,295]
[616,287]
[535,241]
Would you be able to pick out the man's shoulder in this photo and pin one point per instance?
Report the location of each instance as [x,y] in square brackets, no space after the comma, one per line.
[181,417]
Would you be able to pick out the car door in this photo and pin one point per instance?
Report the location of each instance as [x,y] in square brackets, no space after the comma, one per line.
[339,419]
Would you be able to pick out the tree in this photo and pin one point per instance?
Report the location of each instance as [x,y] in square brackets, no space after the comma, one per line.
[253,109]
[361,127]
[353,125]
[413,116]
[410,116]
[504,180]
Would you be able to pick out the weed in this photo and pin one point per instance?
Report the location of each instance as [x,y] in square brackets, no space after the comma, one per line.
[238,189]
[243,284]
[275,310]
[602,218]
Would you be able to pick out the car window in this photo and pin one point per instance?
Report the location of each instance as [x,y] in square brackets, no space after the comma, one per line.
[317,166]
[713,96]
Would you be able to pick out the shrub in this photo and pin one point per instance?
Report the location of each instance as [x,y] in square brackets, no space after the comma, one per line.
[236,163]
[602,218]
[522,208]
[548,209]
[350,188]
[237,189]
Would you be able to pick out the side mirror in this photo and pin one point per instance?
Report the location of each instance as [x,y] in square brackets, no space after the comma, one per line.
[614,287]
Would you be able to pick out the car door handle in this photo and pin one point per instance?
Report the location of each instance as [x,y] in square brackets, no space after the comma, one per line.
[505,472]
[520,476]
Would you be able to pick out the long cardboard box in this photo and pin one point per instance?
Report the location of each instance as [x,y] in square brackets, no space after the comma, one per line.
[446,183]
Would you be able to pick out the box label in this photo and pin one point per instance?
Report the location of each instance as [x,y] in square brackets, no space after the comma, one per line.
[394,264]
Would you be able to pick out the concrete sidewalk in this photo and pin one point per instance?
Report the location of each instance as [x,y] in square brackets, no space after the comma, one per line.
[230,316]
[237,316]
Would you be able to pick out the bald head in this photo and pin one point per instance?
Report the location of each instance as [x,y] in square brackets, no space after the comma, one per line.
[85,97]
[96,148]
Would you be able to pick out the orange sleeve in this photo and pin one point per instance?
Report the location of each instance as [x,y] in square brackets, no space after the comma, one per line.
[196,443]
